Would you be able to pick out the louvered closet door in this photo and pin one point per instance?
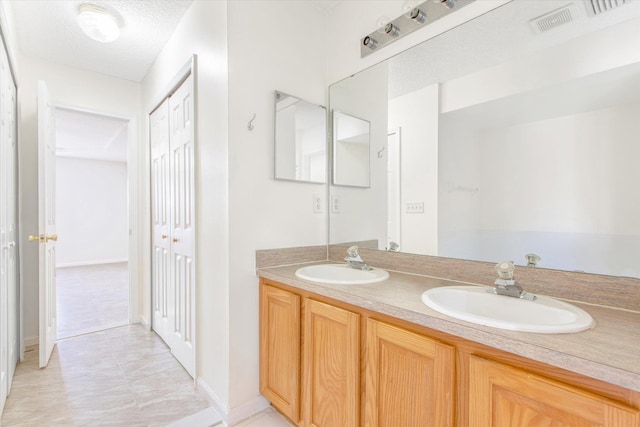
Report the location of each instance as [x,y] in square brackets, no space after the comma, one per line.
[161,289]
[182,223]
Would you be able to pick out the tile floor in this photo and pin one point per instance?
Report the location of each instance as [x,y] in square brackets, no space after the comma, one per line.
[92,298]
[103,373]
[124,376]
[267,418]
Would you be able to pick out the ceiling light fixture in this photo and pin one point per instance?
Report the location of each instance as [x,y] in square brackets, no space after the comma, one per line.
[98,23]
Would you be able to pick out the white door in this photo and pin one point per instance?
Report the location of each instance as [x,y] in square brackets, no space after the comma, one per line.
[173,223]
[47,224]
[5,203]
[12,223]
[8,203]
[160,211]
[8,226]
[181,143]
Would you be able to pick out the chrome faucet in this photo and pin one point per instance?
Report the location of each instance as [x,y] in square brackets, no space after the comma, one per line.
[506,284]
[532,260]
[393,247]
[355,260]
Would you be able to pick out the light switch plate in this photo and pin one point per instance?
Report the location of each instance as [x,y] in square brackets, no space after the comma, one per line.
[335,204]
[317,204]
[415,207]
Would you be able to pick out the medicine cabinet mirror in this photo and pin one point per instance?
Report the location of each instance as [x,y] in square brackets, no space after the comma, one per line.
[513,134]
[350,150]
[300,140]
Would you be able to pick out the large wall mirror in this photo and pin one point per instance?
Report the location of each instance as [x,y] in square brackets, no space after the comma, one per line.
[516,133]
[300,140]
[351,153]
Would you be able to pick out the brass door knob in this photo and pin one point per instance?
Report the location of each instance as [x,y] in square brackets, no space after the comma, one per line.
[175,240]
[164,236]
[42,238]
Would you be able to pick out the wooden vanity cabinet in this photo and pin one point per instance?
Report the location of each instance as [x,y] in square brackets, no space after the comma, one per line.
[326,364]
[503,396]
[280,349]
[315,383]
[409,378]
[331,360]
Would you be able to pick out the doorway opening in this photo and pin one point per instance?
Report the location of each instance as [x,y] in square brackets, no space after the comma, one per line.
[92,213]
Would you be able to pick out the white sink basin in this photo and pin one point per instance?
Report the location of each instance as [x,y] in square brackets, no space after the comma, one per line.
[477,305]
[341,274]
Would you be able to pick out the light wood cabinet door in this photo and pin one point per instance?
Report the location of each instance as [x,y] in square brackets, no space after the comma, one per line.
[502,396]
[280,349]
[331,366]
[409,378]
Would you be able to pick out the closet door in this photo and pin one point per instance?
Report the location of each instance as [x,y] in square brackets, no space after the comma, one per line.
[161,289]
[182,254]
[5,198]
[8,229]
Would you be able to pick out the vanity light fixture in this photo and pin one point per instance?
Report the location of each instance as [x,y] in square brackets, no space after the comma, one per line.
[417,15]
[98,23]
[370,43]
[415,18]
[392,30]
[449,4]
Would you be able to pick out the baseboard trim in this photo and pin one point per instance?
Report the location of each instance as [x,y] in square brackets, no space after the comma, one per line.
[145,323]
[31,341]
[84,263]
[231,417]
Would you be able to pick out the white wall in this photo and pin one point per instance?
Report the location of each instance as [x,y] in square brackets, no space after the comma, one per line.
[91,211]
[71,87]
[459,191]
[203,32]
[563,191]
[264,213]
[417,114]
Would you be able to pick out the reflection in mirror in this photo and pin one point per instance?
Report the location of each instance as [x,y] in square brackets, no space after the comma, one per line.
[300,140]
[350,150]
[502,141]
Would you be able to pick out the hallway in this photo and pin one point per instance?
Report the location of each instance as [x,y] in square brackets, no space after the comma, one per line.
[92,298]
[124,376]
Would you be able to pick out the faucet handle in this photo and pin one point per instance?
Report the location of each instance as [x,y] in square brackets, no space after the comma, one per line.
[505,270]
[353,252]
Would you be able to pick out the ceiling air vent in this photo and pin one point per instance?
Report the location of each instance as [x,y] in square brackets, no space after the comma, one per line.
[596,7]
[553,19]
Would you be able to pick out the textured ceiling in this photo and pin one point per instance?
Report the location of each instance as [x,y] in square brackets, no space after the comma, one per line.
[48,30]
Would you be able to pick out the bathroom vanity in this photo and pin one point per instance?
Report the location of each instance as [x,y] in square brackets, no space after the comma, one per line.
[350,355]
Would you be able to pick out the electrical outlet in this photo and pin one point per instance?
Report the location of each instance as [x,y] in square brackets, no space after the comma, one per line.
[335,204]
[415,207]
[317,204]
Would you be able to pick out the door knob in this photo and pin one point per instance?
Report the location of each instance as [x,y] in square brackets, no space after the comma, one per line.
[175,240]
[164,236]
[42,238]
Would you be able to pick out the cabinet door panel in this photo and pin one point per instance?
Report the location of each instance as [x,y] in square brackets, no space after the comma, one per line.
[331,366]
[409,378]
[501,396]
[280,349]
